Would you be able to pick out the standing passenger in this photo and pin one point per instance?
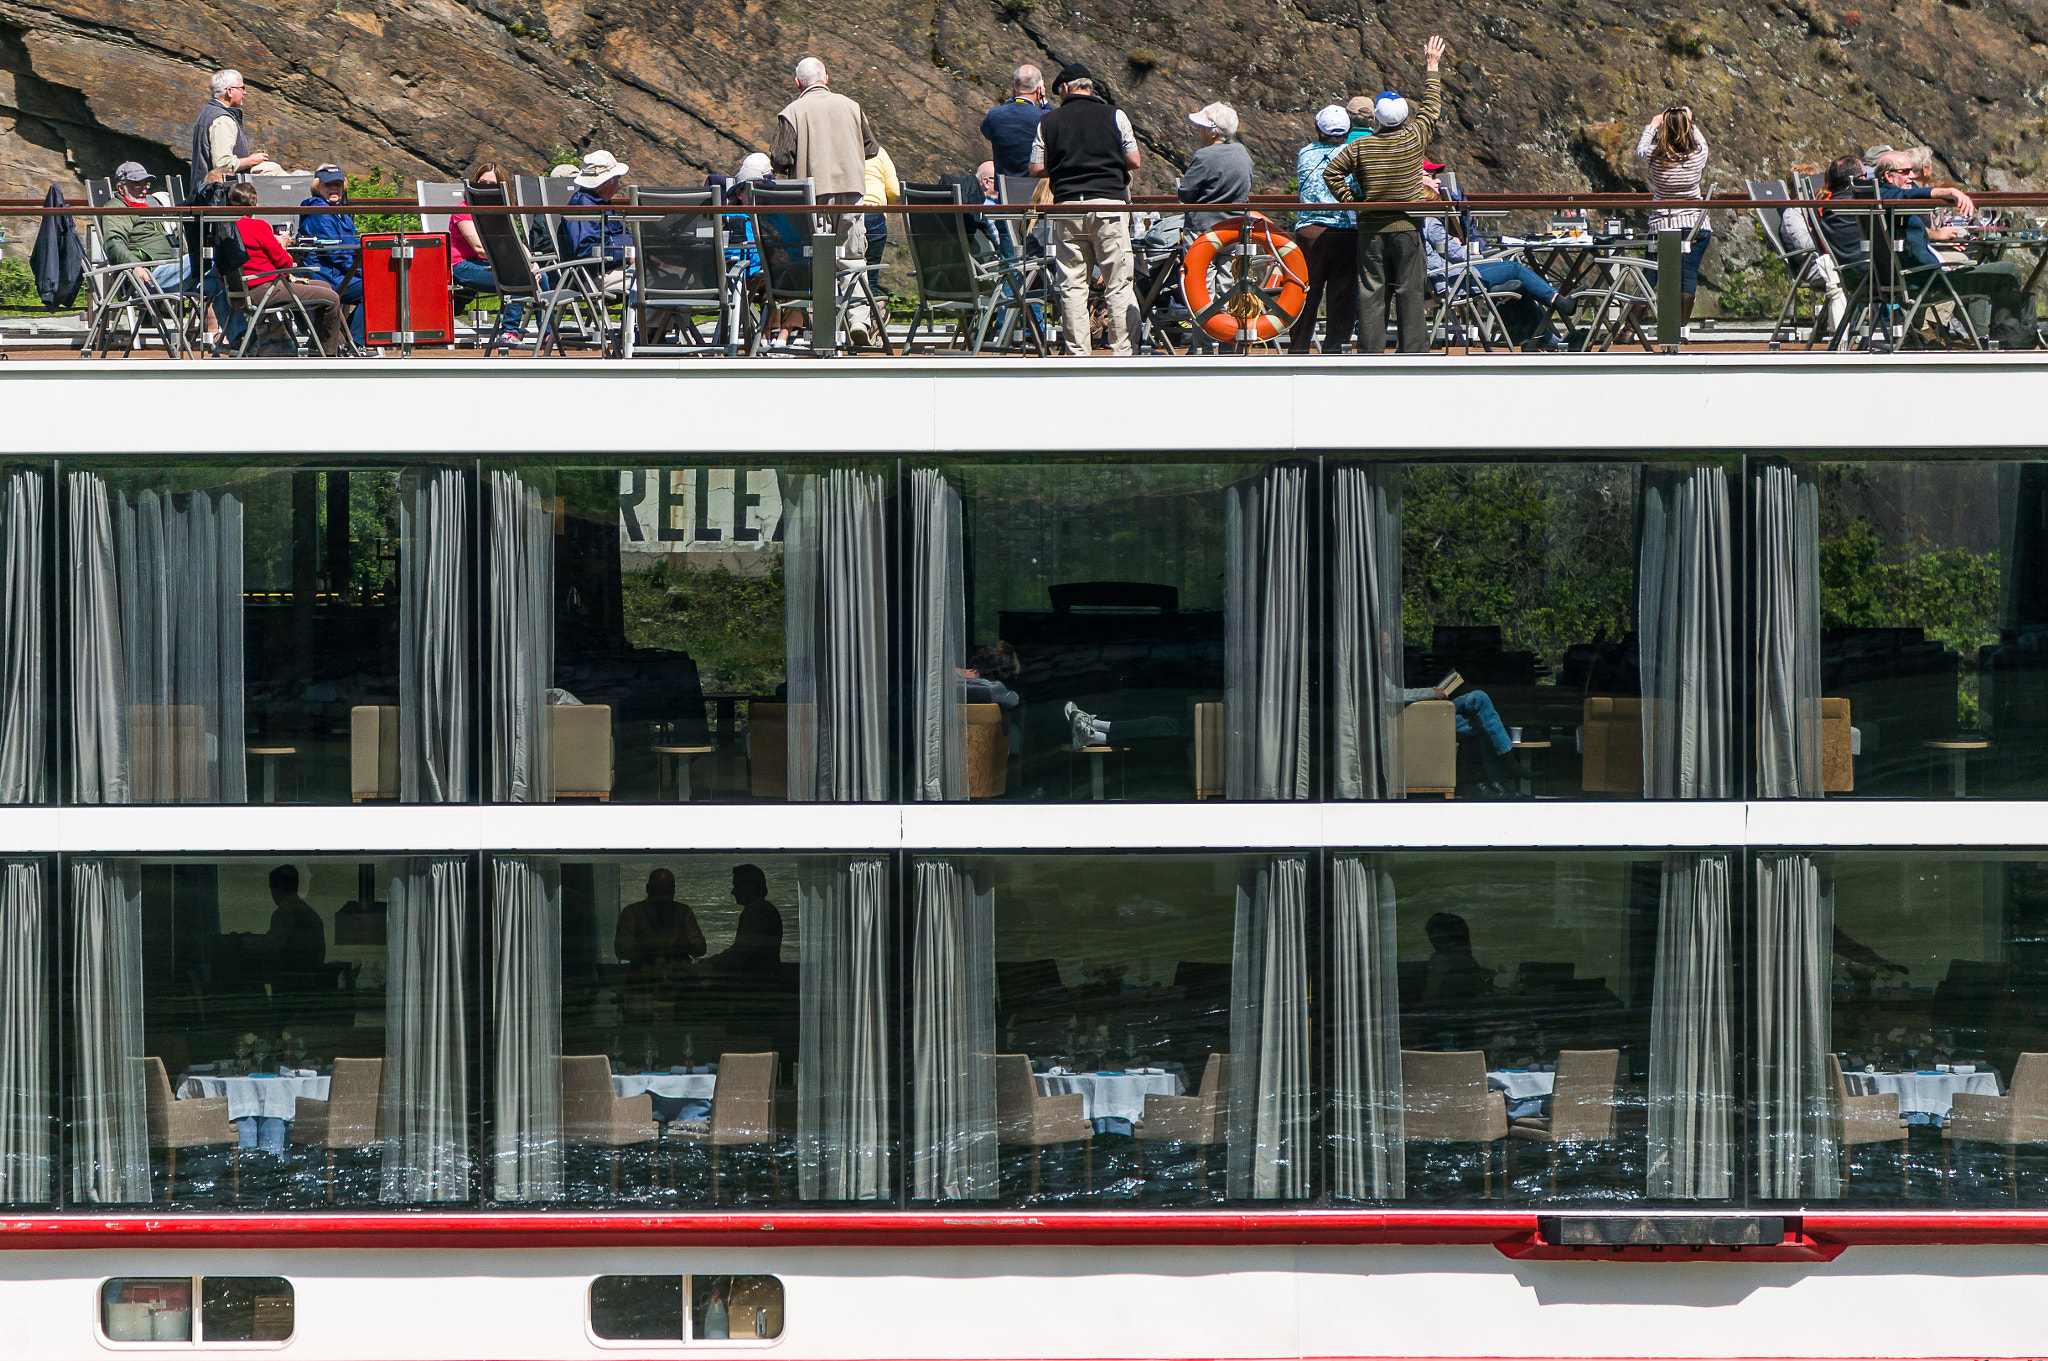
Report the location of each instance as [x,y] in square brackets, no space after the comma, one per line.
[1086,151]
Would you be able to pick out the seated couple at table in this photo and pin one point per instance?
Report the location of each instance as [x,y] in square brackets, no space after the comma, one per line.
[658,936]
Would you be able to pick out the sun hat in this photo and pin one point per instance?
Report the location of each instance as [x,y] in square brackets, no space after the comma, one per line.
[598,168]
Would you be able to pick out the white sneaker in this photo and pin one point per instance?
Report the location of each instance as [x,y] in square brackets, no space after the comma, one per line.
[1081,726]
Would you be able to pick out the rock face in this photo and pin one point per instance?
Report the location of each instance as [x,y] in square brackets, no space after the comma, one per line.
[1543,94]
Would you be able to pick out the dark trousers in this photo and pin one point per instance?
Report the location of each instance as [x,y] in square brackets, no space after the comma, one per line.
[1332,255]
[1391,259]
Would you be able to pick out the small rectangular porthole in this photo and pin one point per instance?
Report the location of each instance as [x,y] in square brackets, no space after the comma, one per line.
[694,1309]
[159,1311]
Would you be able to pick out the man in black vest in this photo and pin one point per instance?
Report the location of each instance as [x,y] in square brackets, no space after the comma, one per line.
[1086,149]
[218,145]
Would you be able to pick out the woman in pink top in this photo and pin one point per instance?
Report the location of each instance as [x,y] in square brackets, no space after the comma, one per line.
[472,267]
[266,274]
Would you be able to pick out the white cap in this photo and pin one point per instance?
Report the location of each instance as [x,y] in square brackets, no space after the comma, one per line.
[1219,116]
[754,167]
[1390,111]
[1331,120]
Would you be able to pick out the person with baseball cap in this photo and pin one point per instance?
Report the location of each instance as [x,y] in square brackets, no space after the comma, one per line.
[154,247]
[1220,171]
[1085,150]
[336,256]
[1328,239]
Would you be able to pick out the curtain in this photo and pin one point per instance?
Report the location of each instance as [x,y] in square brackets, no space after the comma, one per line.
[526,1039]
[1794,1122]
[1787,635]
[23,673]
[426,1074]
[156,635]
[1269,1156]
[110,1130]
[521,647]
[952,1035]
[1266,636]
[433,637]
[1691,1035]
[834,542]
[1365,632]
[25,1084]
[938,629]
[1685,627]
[843,1081]
[1365,1034]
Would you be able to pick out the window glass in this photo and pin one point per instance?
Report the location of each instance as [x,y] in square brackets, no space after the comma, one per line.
[28,1060]
[637,1308]
[688,631]
[147,1309]
[26,543]
[735,1308]
[719,1308]
[245,1309]
[257,1064]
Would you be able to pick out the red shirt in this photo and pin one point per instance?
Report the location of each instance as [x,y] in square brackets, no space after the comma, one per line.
[267,254]
[461,246]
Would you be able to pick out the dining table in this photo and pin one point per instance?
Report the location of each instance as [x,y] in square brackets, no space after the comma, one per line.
[259,1096]
[1112,1096]
[676,1096]
[1527,1089]
[1927,1093]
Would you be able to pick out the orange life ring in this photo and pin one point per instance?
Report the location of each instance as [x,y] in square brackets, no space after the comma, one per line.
[1265,284]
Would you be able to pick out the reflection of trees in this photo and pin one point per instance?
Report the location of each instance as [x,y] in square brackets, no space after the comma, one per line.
[1546,553]
[730,625]
[1952,593]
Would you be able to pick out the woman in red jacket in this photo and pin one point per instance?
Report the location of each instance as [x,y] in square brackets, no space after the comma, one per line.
[266,276]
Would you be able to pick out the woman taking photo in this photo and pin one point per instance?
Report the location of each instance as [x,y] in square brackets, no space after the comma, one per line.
[1676,153]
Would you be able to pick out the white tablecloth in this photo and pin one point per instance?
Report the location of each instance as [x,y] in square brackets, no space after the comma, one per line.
[699,1085]
[276,1097]
[1923,1093]
[1115,1096]
[1522,1086]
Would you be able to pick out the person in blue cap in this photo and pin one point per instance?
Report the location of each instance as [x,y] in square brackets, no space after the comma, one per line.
[339,252]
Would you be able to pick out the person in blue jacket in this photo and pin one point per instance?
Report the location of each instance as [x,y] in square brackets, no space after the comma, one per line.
[338,258]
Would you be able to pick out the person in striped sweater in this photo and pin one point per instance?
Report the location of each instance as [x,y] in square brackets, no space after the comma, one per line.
[1387,168]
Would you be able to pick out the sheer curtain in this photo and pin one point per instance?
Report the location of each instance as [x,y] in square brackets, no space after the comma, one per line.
[938,632]
[843,1079]
[433,637]
[25,1076]
[521,647]
[1269,1156]
[1692,1139]
[110,1128]
[156,634]
[1795,1112]
[952,1035]
[426,1069]
[526,1028]
[24,670]
[1787,573]
[1685,627]
[1266,636]
[1365,1034]
[836,617]
[1365,632]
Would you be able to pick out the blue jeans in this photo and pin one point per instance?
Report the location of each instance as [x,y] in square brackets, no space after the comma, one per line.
[172,275]
[1500,273]
[1475,714]
[352,298]
[264,1132]
[474,276]
[1688,264]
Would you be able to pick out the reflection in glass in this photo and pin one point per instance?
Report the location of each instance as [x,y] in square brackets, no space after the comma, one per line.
[1691,1147]
[245,1309]
[1366,665]
[26,1145]
[843,1117]
[1795,1131]
[24,663]
[1366,1134]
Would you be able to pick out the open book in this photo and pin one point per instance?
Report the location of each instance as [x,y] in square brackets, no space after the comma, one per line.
[1450,683]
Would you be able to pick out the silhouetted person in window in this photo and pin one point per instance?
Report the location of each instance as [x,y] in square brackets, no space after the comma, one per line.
[1455,991]
[757,942]
[296,944]
[657,932]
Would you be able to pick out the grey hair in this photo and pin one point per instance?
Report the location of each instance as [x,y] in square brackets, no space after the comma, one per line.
[223,81]
[810,71]
[1895,160]
[1079,87]
[1027,79]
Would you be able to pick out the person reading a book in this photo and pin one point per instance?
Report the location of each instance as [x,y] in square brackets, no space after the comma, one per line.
[1498,761]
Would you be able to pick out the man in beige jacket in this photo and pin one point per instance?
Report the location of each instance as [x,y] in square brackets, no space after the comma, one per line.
[825,138]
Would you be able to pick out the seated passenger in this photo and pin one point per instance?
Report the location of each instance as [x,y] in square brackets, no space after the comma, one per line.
[267,274]
[600,181]
[2005,313]
[756,947]
[657,932]
[339,261]
[1498,759]
[471,264]
[1445,250]
[988,673]
[155,248]
[1457,988]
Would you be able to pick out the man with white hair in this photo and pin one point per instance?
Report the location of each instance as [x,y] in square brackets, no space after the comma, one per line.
[1220,171]
[219,141]
[825,138]
[1011,125]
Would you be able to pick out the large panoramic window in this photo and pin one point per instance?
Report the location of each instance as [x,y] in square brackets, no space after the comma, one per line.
[26,631]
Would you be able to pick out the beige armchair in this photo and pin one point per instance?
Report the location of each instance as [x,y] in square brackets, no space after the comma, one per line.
[767,750]
[1611,743]
[201,1122]
[1444,1100]
[2018,1117]
[1024,1119]
[742,1113]
[1582,1104]
[372,752]
[1209,749]
[986,735]
[1429,736]
[595,1116]
[352,1116]
[1201,1120]
[167,757]
[581,737]
[1869,1119]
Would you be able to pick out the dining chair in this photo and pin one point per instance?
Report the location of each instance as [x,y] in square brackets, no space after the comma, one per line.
[1444,1100]
[595,1116]
[1582,1104]
[2018,1117]
[1201,1120]
[1870,1118]
[1024,1119]
[198,1122]
[742,1113]
[352,1116]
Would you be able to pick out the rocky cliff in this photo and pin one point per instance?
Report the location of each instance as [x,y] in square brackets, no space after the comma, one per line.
[1543,94]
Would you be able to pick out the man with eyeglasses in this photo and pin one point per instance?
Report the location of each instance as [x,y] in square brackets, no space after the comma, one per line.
[219,142]
[2006,314]
[150,244]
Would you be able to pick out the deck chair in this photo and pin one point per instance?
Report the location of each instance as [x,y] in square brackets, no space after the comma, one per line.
[1886,296]
[681,271]
[952,279]
[540,231]
[441,196]
[1803,266]
[281,191]
[1468,312]
[575,295]
[118,303]
[261,301]
[785,240]
[518,275]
